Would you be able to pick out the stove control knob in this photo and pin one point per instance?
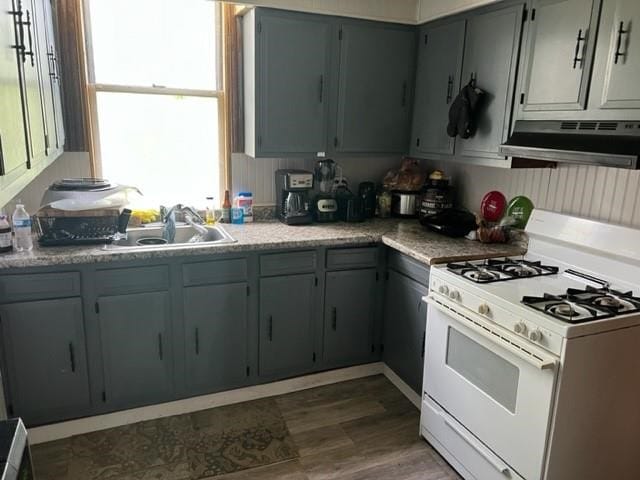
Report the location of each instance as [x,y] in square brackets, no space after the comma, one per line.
[483,309]
[535,335]
[454,295]
[444,290]
[520,327]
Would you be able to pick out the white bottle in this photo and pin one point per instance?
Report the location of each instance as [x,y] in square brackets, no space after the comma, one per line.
[22,229]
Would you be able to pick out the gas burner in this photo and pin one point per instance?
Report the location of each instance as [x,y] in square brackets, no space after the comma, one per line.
[610,300]
[570,307]
[496,270]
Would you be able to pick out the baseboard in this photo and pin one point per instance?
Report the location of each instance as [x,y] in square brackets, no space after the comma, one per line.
[58,431]
[406,390]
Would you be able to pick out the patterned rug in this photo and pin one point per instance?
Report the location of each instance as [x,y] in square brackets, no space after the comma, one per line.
[185,447]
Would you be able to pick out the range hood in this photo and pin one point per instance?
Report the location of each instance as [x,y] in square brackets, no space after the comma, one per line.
[606,143]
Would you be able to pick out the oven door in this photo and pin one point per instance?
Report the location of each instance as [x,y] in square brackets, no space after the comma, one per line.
[497,386]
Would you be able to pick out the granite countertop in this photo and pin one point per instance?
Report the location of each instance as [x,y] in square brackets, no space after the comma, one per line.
[406,236]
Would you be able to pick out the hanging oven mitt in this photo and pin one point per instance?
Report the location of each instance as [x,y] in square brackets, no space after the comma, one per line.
[464,110]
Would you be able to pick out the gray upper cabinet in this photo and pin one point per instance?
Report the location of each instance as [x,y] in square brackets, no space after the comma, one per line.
[491,57]
[44,347]
[375,87]
[405,318]
[439,68]
[558,54]
[614,92]
[136,343]
[286,325]
[216,336]
[287,81]
[349,313]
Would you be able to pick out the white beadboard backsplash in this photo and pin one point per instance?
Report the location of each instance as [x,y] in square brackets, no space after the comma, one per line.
[256,174]
[606,194]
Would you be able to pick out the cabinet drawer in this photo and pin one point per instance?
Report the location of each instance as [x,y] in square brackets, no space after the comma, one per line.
[218,271]
[352,257]
[409,267]
[132,280]
[39,286]
[286,263]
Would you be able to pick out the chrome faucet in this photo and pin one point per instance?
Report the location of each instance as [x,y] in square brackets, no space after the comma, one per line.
[191,216]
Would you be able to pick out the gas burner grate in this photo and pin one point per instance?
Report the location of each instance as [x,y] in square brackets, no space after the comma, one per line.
[492,270]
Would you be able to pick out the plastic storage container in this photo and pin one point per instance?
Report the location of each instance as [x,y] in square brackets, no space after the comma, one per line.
[22,229]
[244,200]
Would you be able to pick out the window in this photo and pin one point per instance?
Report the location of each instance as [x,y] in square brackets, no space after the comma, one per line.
[156,96]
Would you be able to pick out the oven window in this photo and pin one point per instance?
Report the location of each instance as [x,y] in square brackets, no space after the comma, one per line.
[487,371]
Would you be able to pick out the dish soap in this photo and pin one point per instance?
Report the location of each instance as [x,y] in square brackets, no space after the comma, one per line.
[22,229]
[6,244]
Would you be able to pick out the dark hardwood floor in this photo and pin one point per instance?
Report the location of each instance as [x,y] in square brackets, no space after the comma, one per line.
[355,430]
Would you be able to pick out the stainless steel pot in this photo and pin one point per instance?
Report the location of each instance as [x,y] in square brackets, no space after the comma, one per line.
[405,204]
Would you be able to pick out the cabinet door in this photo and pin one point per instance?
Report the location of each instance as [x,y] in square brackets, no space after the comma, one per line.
[286,324]
[374,88]
[292,75]
[216,336]
[558,54]
[44,347]
[13,153]
[349,313]
[437,83]
[32,85]
[136,348]
[405,318]
[491,53]
[617,63]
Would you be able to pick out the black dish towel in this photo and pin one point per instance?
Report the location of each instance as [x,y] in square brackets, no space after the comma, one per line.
[464,110]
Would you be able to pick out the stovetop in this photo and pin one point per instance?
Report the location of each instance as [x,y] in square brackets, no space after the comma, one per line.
[500,270]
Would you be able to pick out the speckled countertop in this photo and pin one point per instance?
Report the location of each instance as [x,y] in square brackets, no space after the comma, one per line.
[406,236]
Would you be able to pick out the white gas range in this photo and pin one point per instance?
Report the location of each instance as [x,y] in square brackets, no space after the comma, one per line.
[532,365]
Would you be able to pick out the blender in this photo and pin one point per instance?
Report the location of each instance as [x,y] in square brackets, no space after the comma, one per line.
[325,206]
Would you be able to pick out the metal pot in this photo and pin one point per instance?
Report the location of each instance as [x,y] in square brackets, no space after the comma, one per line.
[405,204]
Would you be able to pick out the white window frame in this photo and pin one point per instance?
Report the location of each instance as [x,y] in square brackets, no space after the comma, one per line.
[93,88]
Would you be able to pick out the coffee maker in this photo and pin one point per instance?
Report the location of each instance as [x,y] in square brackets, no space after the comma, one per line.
[325,206]
[292,196]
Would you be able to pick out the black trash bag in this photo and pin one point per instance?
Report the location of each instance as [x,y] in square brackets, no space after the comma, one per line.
[464,111]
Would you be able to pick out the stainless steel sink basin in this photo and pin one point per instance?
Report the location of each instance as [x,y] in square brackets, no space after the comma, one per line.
[150,237]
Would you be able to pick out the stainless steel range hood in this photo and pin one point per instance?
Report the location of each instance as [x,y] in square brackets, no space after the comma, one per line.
[607,143]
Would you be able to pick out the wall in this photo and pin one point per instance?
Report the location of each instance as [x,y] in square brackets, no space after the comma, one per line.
[256,174]
[431,9]
[403,11]
[606,194]
[70,164]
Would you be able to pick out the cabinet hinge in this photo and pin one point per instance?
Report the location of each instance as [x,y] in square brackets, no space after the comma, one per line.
[248,371]
[418,142]
[259,27]
[10,410]
[97,307]
[315,281]
[335,141]
[104,396]
[426,38]
[373,348]
[533,14]
[314,356]
[521,98]
[377,276]
[248,290]
[381,347]
[340,34]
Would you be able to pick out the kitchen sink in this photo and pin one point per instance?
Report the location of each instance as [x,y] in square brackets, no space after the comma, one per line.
[150,237]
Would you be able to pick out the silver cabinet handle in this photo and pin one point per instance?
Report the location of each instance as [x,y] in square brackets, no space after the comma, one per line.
[160,352]
[197,341]
[334,319]
[270,328]
[72,357]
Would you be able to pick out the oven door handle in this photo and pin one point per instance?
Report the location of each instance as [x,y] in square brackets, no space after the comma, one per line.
[503,340]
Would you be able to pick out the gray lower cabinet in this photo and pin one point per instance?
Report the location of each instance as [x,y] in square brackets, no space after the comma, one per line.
[287,83]
[286,325]
[491,57]
[405,318]
[135,333]
[375,86]
[349,314]
[440,49]
[557,55]
[44,349]
[216,336]
[617,63]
